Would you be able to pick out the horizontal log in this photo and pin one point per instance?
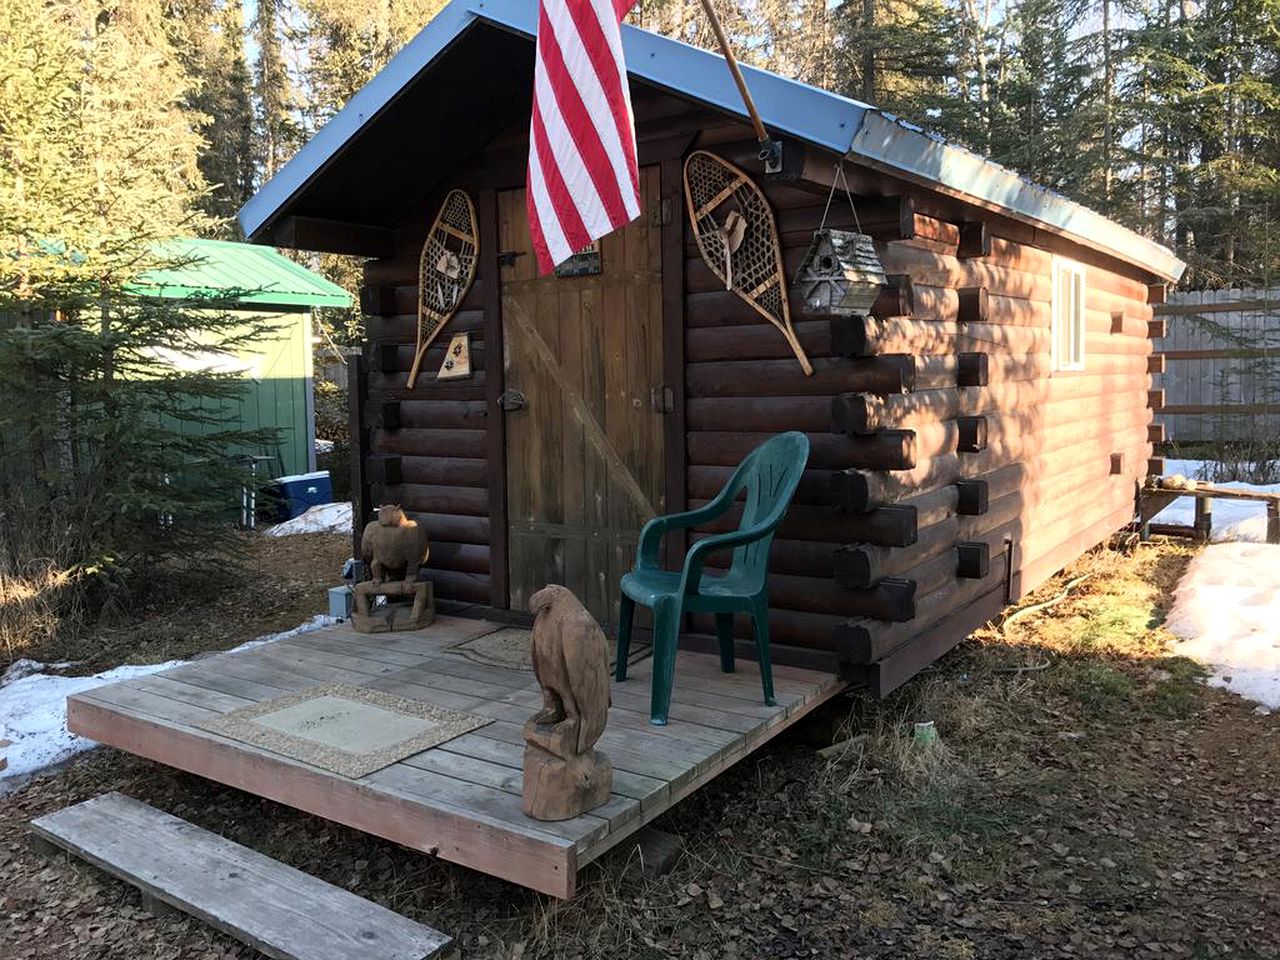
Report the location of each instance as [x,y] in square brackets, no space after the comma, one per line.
[1042,456]
[417,441]
[430,414]
[868,336]
[798,628]
[940,270]
[403,328]
[931,644]
[1157,328]
[384,387]
[861,565]
[784,378]
[704,482]
[425,498]
[442,471]
[757,341]
[456,585]
[863,641]
[1069,393]
[459,557]
[1155,364]
[893,526]
[397,358]
[799,558]
[896,297]
[1155,433]
[887,450]
[453,528]
[890,599]
[758,414]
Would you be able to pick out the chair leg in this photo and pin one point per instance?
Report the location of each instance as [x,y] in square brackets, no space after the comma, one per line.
[724,632]
[666,636]
[760,616]
[626,613]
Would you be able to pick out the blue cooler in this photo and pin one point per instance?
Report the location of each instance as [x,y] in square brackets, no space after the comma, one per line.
[301,491]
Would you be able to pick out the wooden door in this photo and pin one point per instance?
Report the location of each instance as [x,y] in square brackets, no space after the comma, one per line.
[584,398]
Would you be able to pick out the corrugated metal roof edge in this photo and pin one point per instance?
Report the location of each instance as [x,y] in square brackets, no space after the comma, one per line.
[285,282]
[826,119]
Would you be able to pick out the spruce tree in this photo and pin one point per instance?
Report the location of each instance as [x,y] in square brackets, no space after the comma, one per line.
[97,378]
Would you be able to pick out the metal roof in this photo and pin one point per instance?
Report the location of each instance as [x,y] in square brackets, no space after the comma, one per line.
[263,276]
[847,127]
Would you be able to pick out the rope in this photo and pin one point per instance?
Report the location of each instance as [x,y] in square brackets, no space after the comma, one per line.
[839,174]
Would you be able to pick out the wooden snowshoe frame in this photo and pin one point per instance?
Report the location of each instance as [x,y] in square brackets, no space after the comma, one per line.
[714,188]
[445,271]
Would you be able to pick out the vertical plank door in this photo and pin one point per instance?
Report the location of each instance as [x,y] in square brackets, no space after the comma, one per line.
[584,401]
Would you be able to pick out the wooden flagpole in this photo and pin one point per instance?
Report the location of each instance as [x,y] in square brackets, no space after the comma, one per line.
[770,150]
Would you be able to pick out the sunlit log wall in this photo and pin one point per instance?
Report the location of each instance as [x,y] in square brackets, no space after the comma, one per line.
[951,469]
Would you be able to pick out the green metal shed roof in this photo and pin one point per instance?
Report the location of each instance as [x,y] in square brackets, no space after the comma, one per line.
[215,266]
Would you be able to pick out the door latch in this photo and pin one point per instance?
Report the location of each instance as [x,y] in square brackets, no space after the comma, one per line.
[512,400]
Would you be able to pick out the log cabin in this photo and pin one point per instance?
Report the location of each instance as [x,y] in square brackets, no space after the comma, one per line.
[986,422]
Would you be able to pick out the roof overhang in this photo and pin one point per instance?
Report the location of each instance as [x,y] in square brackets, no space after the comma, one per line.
[403,132]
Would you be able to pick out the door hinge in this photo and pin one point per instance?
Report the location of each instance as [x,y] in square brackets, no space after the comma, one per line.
[507,258]
[662,399]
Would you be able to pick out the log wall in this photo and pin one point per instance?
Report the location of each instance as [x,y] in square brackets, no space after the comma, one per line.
[951,469]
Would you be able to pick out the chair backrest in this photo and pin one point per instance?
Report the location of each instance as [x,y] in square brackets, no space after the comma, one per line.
[770,473]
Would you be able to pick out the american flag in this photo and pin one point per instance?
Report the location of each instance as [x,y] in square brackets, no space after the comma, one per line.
[583,180]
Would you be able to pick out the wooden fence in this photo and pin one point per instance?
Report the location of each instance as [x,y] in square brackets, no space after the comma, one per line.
[1221,364]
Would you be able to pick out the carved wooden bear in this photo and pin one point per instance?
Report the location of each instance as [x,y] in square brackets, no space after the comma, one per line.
[393,546]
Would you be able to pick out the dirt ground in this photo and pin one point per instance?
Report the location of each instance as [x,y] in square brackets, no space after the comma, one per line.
[1088,796]
[274,584]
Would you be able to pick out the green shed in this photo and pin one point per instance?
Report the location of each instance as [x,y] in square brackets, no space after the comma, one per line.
[278,370]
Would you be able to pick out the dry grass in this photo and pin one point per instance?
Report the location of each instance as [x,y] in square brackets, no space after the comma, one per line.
[1087,797]
[269,584]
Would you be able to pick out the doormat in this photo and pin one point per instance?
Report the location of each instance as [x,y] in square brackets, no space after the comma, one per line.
[509,648]
[351,731]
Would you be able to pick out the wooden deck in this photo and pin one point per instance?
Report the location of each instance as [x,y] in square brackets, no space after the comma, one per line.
[461,800]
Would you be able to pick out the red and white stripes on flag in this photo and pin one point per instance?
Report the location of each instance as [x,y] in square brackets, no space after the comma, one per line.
[583,180]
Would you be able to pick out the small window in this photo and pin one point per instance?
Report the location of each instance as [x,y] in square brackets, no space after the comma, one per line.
[1068,315]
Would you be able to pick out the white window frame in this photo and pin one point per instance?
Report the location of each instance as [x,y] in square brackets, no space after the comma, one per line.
[1069,311]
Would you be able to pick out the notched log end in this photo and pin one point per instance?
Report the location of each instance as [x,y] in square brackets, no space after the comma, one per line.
[973,499]
[972,370]
[973,560]
[851,491]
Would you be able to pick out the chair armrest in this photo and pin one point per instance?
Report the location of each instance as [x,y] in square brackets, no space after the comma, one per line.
[652,532]
[694,559]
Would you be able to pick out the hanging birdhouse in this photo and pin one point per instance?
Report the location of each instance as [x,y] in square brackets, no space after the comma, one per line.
[840,274]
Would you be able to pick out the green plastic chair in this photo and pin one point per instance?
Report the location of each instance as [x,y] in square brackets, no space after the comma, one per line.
[769,474]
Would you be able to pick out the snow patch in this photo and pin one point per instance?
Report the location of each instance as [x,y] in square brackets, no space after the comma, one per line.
[325,518]
[33,705]
[1232,519]
[1227,613]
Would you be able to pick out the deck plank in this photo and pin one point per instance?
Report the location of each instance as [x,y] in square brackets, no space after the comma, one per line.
[277,910]
[461,799]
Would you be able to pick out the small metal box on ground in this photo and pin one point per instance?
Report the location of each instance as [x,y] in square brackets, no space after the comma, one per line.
[340,602]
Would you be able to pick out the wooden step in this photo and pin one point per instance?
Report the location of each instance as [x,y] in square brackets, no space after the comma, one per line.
[280,911]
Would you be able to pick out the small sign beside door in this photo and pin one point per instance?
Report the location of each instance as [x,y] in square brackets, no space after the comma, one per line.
[457,359]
